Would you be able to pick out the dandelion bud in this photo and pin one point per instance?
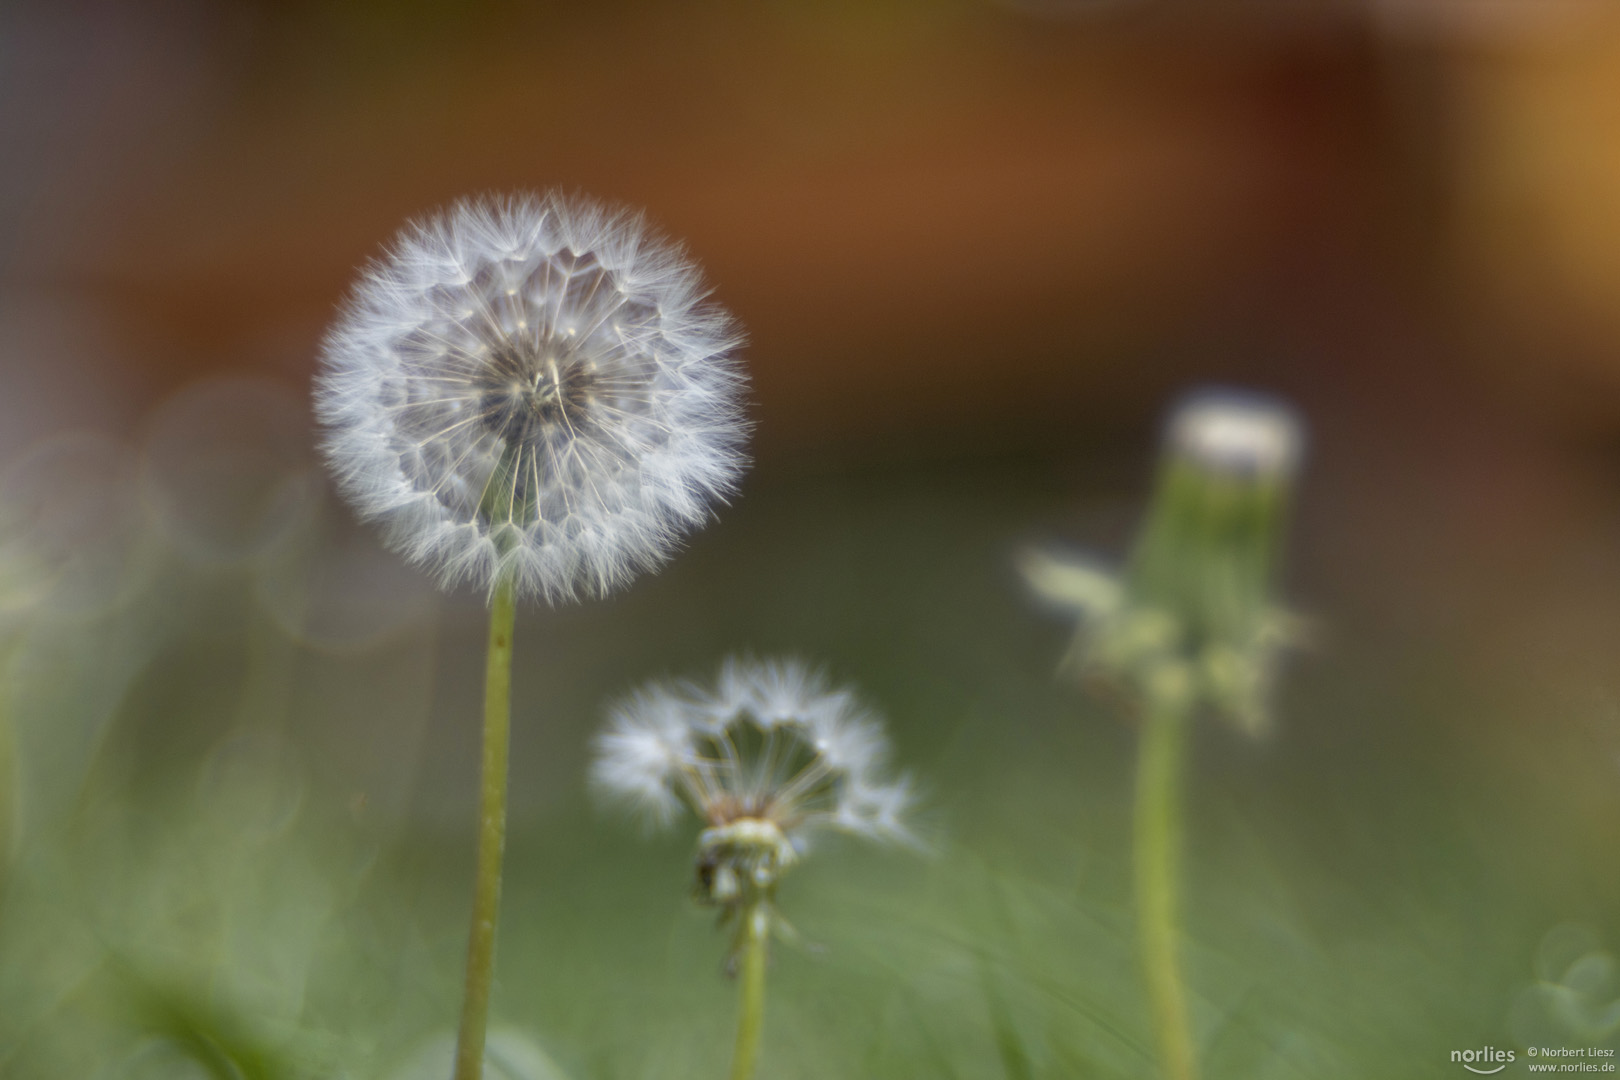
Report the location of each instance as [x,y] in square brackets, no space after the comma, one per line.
[533,390]
[1192,615]
[1237,436]
[1207,553]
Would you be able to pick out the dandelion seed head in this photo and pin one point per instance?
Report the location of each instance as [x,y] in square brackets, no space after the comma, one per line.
[768,758]
[533,387]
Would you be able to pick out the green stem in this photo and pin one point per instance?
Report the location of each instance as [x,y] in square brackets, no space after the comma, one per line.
[1157,857]
[10,771]
[491,836]
[751,996]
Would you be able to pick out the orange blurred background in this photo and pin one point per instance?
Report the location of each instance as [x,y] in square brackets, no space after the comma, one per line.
[952,230]
[939,221]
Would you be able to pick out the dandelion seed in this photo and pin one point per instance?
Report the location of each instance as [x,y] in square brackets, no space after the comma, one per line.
[533,388]
[769,758]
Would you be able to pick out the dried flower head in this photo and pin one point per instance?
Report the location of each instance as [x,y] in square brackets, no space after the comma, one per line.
[767,758]
[533,387]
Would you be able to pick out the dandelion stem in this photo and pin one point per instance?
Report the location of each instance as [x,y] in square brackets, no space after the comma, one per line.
[1157,858]
[10,771]
[756,932]
[8,791]
[491,835]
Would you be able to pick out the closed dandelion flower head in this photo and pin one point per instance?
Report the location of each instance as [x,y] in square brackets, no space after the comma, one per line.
[535,388]
[1194,611]
[767,758]
[1237,434]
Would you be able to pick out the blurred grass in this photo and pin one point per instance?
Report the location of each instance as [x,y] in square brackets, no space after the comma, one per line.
[245,848]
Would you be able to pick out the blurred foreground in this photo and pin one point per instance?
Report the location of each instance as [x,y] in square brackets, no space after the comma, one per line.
[245,743]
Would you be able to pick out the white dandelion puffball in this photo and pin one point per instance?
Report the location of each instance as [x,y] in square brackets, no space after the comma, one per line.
[533,387]
[770,756]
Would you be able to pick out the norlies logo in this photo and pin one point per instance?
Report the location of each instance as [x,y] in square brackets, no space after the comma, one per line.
[1484,1058]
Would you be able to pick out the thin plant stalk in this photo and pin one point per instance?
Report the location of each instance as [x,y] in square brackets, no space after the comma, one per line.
[1157,858]
[8,787]
[10,771]
[491,835]
[756,932]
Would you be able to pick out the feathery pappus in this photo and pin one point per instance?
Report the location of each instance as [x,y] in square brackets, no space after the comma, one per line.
[533,388]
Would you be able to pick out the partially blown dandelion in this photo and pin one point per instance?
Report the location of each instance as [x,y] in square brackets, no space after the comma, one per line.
[533,389]
[768,758]
[532,395]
